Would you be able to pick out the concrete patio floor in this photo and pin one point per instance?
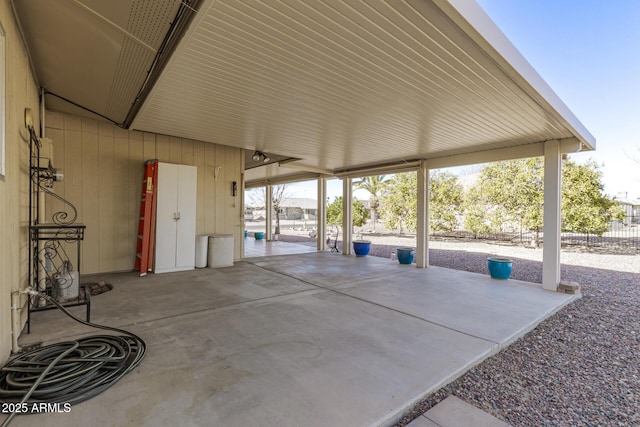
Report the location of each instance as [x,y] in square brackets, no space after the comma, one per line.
[259,248]
[312,339]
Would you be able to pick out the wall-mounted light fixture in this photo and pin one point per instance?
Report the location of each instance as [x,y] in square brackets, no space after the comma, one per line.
[234,188]
[259,155]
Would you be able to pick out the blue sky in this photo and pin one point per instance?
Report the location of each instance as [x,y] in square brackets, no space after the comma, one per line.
[588,51]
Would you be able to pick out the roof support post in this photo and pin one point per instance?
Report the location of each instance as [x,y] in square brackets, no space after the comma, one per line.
[243,202]
[552,215]
[347,197]
[422,232]
[268,211]
[321,214]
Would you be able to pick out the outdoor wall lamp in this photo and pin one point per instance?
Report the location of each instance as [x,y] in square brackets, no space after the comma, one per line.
[259,155]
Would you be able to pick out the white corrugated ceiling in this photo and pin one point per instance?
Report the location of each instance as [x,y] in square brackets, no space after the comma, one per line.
[94,53]
[338,84]
[342,84]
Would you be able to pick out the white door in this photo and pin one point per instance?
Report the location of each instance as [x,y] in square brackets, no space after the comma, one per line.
[186,206]
[166,217]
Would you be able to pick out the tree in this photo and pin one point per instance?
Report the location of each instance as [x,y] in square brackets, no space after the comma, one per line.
[509,191]
[334,212]
[445,201]
[585,207]
[374,185]
[481,216]
[517,186]
[279,194]
[358,213]
[636,157]
[400,201]
[514,191]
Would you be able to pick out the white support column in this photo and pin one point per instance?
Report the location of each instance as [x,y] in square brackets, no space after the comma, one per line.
[347,197]
[422,232]
[552,221]
[243,224]
[321,217]
[268,212]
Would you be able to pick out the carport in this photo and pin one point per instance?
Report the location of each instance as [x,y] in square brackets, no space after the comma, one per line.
[320,89]
[324,89]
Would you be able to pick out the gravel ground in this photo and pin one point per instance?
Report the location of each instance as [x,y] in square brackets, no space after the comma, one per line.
[580,367]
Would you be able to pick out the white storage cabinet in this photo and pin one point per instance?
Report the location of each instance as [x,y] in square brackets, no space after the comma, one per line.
[175,218]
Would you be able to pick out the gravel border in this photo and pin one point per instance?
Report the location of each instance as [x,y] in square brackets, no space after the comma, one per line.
[580,367]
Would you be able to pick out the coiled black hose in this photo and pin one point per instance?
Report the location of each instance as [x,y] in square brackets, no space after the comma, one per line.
[69,372]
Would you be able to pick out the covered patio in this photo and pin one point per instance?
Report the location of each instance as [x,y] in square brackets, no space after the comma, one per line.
[312,90]
[260,248]
[290,92]
[313,339]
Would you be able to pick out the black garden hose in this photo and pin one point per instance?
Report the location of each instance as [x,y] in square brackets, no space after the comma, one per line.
[67,373]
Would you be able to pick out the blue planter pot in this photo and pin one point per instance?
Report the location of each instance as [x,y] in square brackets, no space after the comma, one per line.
[246,233]
[406,255]
[259,235]
[361,247]
[500,268]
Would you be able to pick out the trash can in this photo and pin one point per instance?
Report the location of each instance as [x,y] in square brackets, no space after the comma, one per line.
[202,242]
[220,250]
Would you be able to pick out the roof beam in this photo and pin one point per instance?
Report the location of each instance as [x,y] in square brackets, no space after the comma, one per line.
[284,179]
[289,165]
[389,168]
[570,145]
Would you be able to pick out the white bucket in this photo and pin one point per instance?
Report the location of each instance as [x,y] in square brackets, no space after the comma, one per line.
[66,283]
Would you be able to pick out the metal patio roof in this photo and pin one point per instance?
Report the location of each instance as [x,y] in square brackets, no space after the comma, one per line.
[344,85]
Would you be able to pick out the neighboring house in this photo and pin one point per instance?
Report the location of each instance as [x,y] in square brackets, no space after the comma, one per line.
[299,208]
[290,208]
[632,209]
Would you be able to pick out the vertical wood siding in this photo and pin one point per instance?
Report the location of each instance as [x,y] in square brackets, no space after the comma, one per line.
[103,170]
[21,92]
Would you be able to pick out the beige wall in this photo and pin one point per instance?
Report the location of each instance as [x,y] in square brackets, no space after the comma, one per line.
[103,170]
[103,176]
[21,92]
